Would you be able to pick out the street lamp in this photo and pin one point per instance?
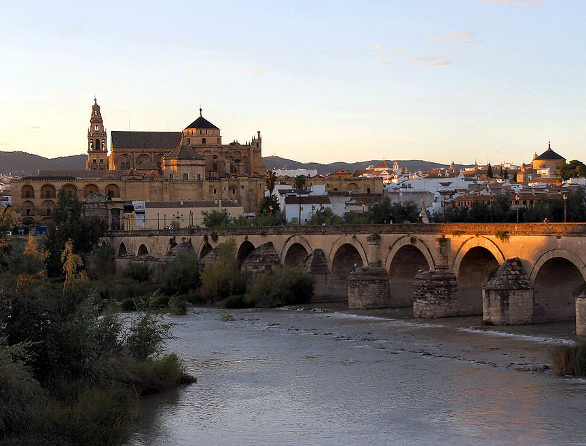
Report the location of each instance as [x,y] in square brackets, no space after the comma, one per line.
[565,197]
[363,205]
[517,202]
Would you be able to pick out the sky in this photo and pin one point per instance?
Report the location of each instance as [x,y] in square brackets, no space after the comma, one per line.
[438,80]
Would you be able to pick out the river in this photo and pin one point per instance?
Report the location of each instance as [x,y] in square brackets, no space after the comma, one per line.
[314,377]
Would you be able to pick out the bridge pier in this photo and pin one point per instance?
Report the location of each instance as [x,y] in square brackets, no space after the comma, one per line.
[435,294]
[581,314]
[507,298]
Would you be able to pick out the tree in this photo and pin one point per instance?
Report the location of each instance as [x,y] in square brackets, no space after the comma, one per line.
[384,211]
[325,216]
[501,208]
[218,218]
[69,222]
[221,278]
[7,220]
[270,180]
[489,173]
[299,183]
[573,169]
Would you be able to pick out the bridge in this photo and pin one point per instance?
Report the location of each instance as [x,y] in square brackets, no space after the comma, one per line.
[375,266]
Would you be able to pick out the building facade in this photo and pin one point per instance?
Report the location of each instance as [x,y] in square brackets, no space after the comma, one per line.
[190,166]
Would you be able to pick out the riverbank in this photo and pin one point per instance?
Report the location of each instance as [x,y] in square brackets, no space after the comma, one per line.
[332,377]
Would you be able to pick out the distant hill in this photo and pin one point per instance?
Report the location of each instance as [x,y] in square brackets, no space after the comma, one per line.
[19,162]
[276,162]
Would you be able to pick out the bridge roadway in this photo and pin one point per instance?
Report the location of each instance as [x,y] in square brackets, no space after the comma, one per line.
[552,255]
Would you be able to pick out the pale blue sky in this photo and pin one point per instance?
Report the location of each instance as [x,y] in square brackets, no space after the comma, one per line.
[440,80]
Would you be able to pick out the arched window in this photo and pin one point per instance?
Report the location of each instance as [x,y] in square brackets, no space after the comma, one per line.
[203,140]
[97,144]
[185,177]
[187,141]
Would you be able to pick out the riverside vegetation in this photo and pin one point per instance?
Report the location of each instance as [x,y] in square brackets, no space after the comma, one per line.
[71,372]
[72,368]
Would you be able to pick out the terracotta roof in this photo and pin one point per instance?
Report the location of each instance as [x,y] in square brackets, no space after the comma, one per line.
[311,199]
[190,204]
[145,140]
[153,174]
[146,165]
[184,152]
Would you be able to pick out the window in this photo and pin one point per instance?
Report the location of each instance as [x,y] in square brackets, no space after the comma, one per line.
[96,127]
[170,176]
[27,194]
[215,166]
[101,161]
[203,140]
[95,113]
[94,161]
[185,177]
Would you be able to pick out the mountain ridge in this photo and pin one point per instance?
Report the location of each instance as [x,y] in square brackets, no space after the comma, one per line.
[20,162]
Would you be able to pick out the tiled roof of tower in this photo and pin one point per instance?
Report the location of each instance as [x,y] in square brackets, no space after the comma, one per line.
[184,152]
[145,140]
[549,155]
[201,123]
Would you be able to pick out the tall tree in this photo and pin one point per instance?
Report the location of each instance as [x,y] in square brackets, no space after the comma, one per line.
[489,173]
[69,222]
[270,180]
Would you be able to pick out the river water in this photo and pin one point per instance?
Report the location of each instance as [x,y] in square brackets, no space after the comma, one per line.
[312,377]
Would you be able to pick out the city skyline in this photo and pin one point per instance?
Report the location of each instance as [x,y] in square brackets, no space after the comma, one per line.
[462,80]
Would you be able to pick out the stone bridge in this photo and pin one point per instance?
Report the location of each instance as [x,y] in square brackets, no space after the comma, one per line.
[552,256]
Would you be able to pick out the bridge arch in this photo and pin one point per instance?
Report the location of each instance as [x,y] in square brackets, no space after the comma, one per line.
[407,241]
[553,299]
[204,249]
[475,263]
[345,258]
[244,251]
[347,239]
[404,260]
[294,247]
[477,242]
[142,250]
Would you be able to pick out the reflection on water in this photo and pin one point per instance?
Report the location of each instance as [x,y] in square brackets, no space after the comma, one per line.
[315,378]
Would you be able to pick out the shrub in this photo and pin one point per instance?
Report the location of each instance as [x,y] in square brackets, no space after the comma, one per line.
[146,336]
[238,301]
[282,286]
[221,278]
[178,304]
[570,359]
[103,261]
[182,274]
[139,271]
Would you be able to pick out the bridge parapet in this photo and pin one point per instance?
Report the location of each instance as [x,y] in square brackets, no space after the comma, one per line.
[442,229]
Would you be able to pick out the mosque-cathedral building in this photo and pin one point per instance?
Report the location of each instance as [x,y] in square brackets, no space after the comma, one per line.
[191,168]
[191,165]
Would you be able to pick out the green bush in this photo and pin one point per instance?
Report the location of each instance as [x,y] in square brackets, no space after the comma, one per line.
[222,278]
[146,336]
[570,359]
[182,274]
[139,271]
[282,286]
[103,261]
[158,301]
[178,304]
[238,301]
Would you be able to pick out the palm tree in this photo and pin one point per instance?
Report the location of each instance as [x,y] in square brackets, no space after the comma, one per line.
[299,184]
[270,180]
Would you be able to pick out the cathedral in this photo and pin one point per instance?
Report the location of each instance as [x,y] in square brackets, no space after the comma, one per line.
[187,166]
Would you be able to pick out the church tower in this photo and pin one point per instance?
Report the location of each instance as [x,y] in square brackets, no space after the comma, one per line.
[97,141]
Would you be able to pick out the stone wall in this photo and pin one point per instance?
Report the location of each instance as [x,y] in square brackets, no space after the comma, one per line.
[368,287]
[581,315]
[435,294]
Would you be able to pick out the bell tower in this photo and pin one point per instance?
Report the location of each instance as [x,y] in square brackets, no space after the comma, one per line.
[97,141]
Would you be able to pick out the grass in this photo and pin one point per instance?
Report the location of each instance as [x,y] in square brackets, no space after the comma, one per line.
[570,359]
